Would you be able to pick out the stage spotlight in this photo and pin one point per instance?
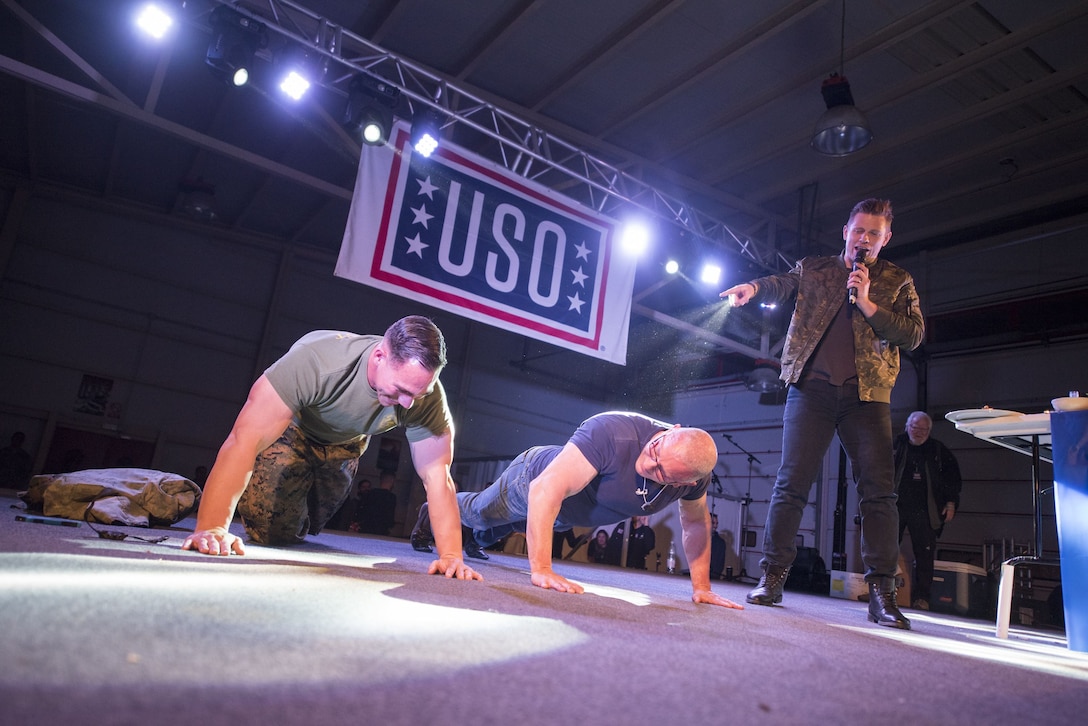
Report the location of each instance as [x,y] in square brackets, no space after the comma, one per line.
[235,42]
[154,21]
[636,238]
[295,85]
[369,111]
[711,274]
[672,267]
[298,70]
[426,127]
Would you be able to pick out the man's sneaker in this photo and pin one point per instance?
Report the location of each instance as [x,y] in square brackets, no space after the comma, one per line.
[422,539]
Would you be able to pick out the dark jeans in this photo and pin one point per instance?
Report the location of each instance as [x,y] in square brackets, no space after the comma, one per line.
[923,540]
[503,507]
[815,410]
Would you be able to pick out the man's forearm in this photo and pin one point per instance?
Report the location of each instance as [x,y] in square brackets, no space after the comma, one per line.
[695,529]
[539,530]
[226,482]
[445,518]
[698,562]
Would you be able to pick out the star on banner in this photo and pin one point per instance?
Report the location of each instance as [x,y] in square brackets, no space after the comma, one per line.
[416,246]
[426,188]
[576,303]
[421,215]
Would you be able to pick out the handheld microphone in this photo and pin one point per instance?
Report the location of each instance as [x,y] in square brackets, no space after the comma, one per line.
[852,293]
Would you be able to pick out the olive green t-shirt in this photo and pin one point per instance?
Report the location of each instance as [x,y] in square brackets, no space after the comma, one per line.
[322,378]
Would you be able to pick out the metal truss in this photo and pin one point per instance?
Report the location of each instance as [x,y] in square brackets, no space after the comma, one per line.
[518,145]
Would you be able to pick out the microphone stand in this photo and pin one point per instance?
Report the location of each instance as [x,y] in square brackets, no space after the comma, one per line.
[747,500]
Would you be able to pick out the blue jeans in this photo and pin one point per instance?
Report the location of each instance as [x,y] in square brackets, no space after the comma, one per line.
[503,507]
[815,410]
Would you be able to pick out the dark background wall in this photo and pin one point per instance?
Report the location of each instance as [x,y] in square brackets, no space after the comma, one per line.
[134,336]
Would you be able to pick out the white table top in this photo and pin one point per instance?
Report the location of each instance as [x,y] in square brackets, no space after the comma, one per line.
[1009,429]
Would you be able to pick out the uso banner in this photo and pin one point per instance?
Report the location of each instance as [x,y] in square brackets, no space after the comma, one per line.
[461,234]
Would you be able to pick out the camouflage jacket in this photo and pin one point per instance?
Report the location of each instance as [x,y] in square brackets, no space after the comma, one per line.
[819,285]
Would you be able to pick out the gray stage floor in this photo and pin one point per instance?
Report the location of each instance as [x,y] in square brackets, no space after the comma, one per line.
[350,628]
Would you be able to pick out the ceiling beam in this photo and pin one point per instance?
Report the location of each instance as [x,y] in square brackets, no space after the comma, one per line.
[132,112]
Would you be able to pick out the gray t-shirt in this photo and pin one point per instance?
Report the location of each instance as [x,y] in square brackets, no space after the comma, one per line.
[322,378]
[612,442]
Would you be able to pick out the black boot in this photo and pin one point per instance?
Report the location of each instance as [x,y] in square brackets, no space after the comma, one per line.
[472,549]
[882,607]
[421,533]
[769,590]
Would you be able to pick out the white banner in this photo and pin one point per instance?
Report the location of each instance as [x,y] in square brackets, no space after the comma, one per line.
[457,232]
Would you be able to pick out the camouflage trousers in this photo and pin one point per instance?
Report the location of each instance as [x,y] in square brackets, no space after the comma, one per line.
[296,488]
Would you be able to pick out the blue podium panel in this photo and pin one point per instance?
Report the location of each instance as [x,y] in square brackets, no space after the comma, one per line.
[1069,435]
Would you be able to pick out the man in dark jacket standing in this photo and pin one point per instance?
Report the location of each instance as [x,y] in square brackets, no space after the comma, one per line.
[927,480]
[852,313]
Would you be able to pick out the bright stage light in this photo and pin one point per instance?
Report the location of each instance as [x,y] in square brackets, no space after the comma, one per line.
[369,110]
[711,274]
[373,132]
[426,132]
[672,267]
[426,144]
[235,42]
[636,238]
[294,85]
[154,21]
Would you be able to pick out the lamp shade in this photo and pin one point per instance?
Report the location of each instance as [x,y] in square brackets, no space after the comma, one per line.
[764,377]
[842,129]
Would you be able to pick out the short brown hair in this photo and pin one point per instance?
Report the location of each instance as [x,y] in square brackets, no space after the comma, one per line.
[417,338]
[877,207]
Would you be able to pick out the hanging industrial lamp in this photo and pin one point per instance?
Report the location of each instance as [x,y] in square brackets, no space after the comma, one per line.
[842,129]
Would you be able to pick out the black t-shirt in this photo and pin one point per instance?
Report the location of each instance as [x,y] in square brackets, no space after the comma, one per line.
[612,442]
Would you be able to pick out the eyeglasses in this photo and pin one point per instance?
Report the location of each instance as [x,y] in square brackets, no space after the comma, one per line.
[658,471]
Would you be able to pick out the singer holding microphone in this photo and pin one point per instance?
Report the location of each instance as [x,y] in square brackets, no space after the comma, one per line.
[852,314]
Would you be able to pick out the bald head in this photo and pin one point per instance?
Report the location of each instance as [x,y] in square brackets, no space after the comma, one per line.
[696,450]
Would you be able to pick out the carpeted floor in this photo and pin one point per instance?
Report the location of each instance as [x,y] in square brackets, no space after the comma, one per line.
[351,629]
